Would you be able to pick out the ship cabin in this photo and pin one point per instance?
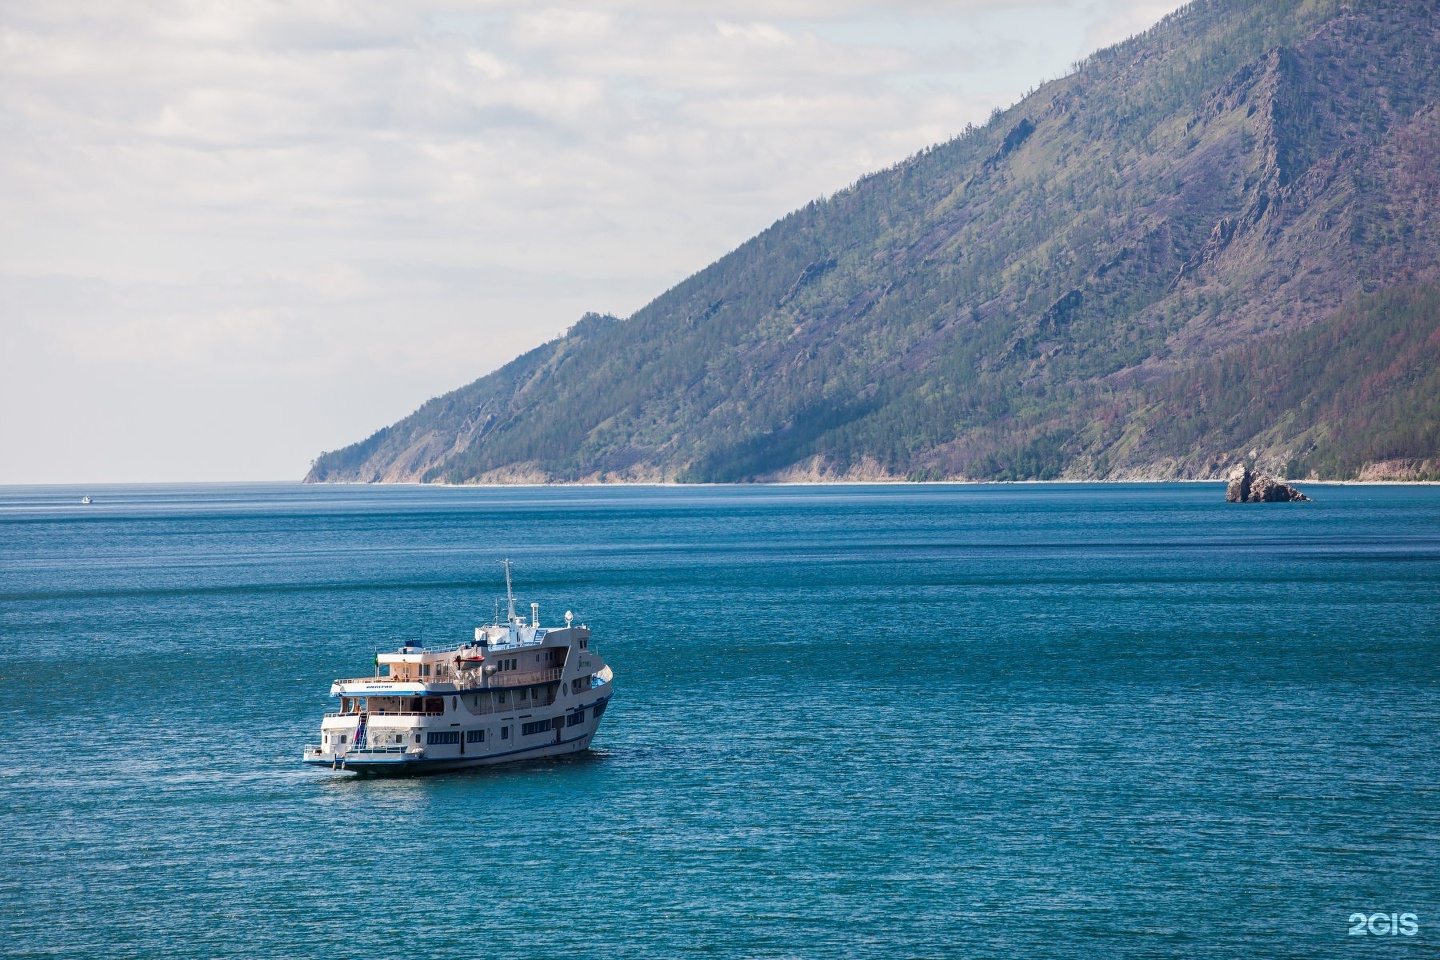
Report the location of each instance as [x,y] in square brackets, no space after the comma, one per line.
[506,667]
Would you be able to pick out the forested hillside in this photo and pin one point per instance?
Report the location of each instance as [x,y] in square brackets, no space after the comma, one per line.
[1211,242]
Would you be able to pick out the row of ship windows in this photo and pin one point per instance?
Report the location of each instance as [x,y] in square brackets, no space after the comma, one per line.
[453,736]
[554,655]
[439,737]
[546,693]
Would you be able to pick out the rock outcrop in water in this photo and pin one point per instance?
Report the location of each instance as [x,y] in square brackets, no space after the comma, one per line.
[1247,486]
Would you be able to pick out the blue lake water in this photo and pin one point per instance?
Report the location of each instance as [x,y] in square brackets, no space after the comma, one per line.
[898,721]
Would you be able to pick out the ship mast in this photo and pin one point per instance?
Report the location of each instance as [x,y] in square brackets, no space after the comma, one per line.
[509,590]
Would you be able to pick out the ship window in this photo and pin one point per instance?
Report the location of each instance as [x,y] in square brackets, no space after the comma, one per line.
[342,738]
[417,738]
[537,726]
[443,736]
[599,709]
[474,736]
[575,719]
[501,696]
[434,704]
[523,694]
[424,669]
[454,703]
[584,644]
[504,733]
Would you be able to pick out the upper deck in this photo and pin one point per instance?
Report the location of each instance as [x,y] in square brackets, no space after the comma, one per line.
[501,656]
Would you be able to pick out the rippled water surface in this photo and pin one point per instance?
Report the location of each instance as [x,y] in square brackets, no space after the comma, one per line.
[980,721]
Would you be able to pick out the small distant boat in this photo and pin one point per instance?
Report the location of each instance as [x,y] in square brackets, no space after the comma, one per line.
[87,500]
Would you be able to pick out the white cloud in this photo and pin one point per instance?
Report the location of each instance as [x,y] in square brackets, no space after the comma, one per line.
[371,202]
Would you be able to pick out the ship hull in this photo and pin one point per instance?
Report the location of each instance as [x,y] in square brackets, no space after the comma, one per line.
[405,766]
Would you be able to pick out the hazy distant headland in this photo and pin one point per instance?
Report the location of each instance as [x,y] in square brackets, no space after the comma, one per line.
[1212,243]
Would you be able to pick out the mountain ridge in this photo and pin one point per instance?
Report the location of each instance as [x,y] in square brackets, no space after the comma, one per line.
[1044,296]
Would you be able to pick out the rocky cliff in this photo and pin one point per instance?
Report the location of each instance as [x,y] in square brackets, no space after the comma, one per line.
[1247,486]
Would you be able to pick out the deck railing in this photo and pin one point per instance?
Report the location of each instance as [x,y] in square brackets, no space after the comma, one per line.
[510,705]
[462,682]
[386,713]
[349,751]
[524,679]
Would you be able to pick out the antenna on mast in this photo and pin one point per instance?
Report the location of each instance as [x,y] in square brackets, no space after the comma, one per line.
[509,590]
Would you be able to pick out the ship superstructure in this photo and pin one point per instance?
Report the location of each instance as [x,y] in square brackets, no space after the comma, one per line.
[516,691]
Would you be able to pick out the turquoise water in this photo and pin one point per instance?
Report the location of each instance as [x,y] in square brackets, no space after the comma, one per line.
[990,721]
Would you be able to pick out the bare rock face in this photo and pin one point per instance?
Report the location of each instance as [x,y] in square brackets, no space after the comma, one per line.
[1247,486]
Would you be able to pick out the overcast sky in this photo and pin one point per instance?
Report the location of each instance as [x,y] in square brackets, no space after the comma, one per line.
[237,234]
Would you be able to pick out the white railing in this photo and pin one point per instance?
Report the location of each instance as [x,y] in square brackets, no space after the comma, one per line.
[510,706]
[348,751]
[522,679]
[474,680]
[457,682]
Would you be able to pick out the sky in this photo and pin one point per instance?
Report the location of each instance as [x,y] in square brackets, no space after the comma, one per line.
[235,234]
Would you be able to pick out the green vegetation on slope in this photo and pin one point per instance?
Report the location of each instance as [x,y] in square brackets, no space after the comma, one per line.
[1362,386]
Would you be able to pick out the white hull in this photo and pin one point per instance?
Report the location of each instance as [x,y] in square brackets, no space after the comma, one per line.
[401,766]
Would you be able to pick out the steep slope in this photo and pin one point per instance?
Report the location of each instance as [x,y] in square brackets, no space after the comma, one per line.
[1039,297]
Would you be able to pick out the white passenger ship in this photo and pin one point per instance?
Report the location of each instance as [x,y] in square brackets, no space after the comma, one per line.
[516,692]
